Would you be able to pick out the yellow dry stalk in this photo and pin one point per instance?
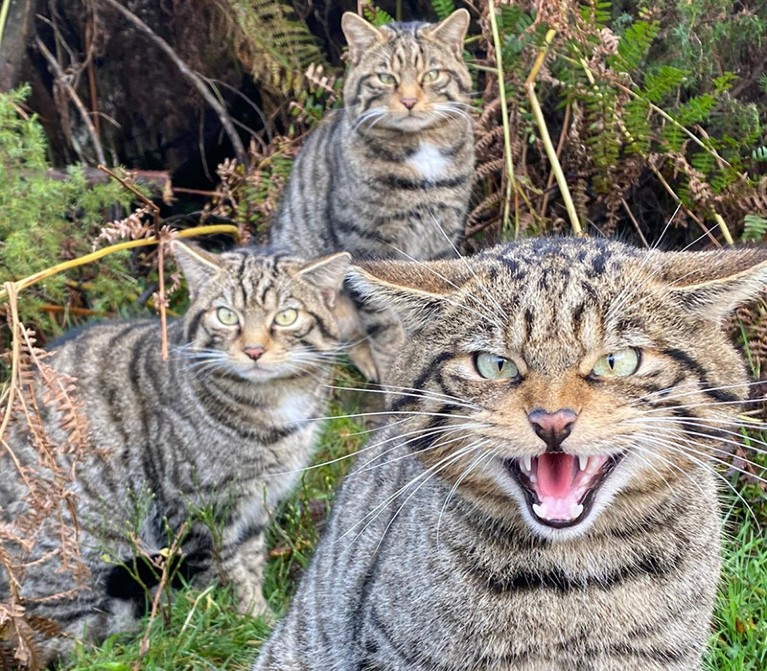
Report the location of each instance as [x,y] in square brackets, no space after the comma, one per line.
[28,281]
[548,145]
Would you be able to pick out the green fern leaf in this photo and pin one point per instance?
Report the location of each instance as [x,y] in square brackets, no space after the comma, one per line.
[275,43]
[376,15]
[665,80]
[443,8]
[754,228]
[634,45]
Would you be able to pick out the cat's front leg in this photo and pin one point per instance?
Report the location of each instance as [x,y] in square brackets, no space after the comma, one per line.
[243,566]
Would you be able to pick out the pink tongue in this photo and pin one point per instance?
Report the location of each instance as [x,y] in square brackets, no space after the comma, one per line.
[556,474]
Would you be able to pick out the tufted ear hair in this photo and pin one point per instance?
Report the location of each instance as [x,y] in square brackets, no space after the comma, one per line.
[711,285]
[360,35]
[416,291]
[198,266]
[451,31]
[327,273]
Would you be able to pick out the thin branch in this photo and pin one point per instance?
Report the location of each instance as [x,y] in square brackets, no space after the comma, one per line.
[165,575]
[11,291]
[679,202]
[634,221]
[560,146]
[193,77]
[127,185]
[61,79]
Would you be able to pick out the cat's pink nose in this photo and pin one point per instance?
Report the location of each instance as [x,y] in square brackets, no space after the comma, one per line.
[553,427]
[410,103]
[254,351]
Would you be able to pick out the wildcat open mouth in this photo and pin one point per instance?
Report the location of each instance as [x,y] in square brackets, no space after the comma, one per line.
[559,487]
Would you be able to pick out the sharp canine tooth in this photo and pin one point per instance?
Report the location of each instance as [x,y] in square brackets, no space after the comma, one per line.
[528,463]
[576,510]
[583,462]
[540,510]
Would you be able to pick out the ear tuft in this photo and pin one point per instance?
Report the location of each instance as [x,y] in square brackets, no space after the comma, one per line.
[452,31]
[198,266]
[416,292]
[360,35]
[327,273]
[712,285]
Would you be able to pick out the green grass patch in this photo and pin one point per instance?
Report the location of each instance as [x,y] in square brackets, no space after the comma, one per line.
[740,639]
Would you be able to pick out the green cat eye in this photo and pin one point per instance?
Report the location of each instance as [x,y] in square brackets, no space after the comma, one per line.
[386,78]
[286,317]
[494,367]
[617,364]
[431,76]
[227,317]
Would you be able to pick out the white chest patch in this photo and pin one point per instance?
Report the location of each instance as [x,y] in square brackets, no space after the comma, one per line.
[294,409]
[428,162]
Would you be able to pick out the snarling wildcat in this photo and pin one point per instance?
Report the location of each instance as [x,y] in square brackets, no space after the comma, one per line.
[545,497]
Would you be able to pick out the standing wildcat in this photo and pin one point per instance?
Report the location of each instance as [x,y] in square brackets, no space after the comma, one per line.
[396,163]
[223,426]
[545,498]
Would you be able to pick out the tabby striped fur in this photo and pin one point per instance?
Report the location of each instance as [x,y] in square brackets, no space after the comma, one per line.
[435,557]
[377,177]
[220,427]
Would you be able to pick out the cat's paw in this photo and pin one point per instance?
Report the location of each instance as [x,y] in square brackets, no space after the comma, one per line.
[251,601]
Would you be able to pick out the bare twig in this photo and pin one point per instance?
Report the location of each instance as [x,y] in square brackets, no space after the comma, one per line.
[193,77]
[62,80]
[167,567]
[127,185]
[679,202]
[560,146]
[634,221]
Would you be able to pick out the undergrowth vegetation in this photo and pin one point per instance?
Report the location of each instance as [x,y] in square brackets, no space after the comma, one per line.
[643,120]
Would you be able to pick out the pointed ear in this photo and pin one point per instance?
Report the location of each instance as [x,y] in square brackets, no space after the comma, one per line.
[416,292]
[199,267]
[712,285]
[452,30]
[327,273]
[360,35]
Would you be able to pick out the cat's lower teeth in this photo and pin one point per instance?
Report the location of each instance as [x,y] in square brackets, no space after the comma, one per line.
[541,510]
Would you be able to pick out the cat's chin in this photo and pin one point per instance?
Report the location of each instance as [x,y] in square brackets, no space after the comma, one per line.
[560,489]
[408,123]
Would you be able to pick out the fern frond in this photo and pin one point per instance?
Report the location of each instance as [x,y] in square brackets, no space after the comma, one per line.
[274,43]
[443,8]
[754,228]
[634,45]
[376,15]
